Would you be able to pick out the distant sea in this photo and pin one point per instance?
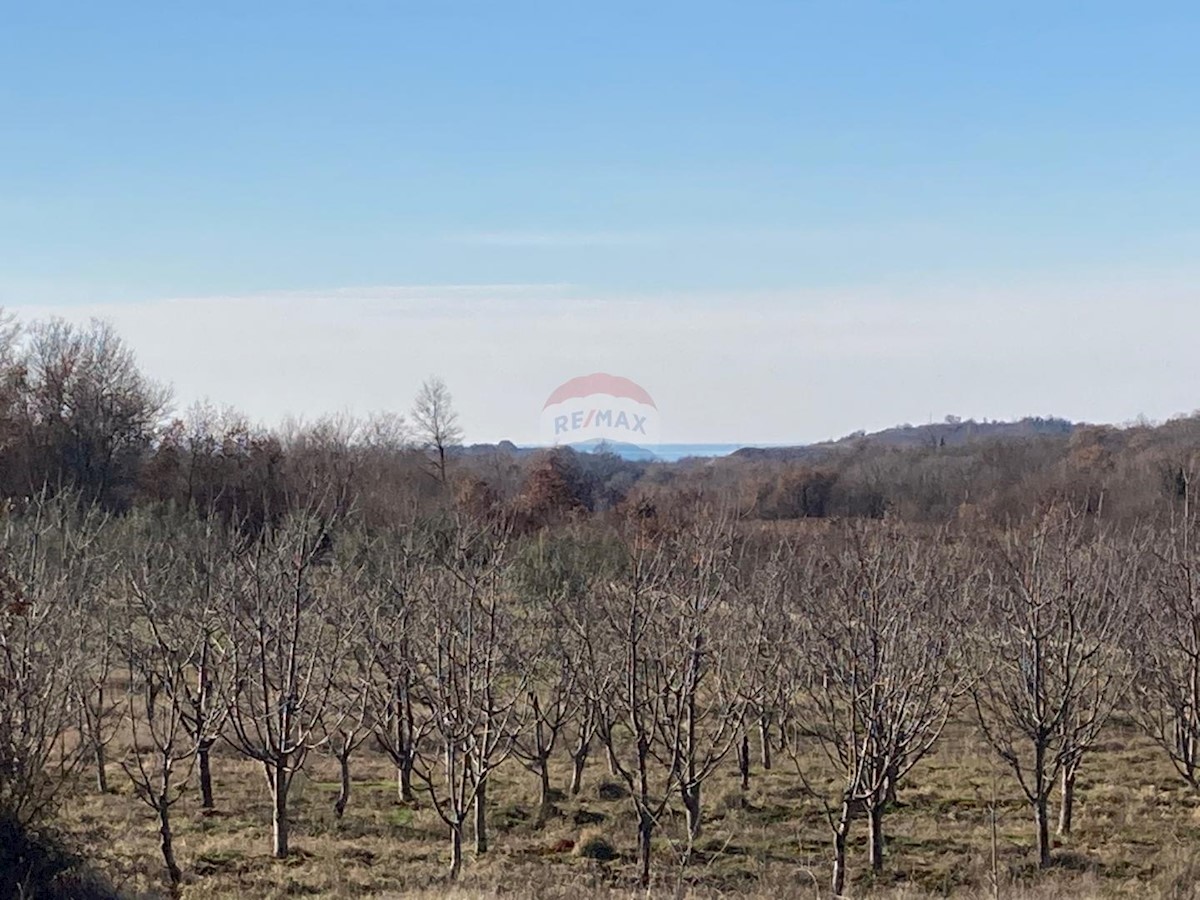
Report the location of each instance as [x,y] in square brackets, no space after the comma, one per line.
[662,452]
[673,452]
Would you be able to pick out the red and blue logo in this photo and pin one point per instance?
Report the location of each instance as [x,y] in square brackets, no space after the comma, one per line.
[600,408]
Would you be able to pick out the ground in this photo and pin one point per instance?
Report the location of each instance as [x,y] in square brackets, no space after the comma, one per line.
[1137,834]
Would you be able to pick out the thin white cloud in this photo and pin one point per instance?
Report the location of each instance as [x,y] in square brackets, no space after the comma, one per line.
[771,366]
[556,239]
[833,236]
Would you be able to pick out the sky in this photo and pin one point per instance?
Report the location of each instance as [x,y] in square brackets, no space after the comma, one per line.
[787,221]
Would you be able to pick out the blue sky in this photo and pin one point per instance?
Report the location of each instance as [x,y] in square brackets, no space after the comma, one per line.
[704,197]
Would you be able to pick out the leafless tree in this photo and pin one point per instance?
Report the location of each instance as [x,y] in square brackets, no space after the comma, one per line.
[706,675]
[549,704]
[1052,640]
[37,659]
[90,413]
[96,648]
[400,720]
[637,645]
[1166,690]
[768,701]
[583,730]
[86,582]
[1112,570]
[202,560]
[880,667]
[562,576]
[436,423]
[553,629]
[349,721]
[282,648]
[168,714]
[466,675]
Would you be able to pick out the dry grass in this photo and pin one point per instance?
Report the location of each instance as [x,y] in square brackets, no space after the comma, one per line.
[1137,832]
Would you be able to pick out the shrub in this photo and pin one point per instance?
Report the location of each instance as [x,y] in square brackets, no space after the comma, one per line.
[593,845]
[610,790]
[35,864]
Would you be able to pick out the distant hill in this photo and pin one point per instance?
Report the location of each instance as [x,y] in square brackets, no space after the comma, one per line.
[505,448]
[616,448]
[953,432]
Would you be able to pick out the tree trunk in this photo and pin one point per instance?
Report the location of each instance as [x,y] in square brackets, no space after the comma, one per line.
[101,765]
[456,856]
[544,789]
[481,837]
[645,831]
[612,759]
[343,797]
[545,807]
[838,883]
[405,750]
[404,781]
[1067,807]
[202,707]
[744,761]
[875,840]
[578,762]
[764,738]
[206,790]
[168,849]
[691,802]
[277,773]
[1042,817]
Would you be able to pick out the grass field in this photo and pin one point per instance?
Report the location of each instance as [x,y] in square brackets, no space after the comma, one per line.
[1137,833]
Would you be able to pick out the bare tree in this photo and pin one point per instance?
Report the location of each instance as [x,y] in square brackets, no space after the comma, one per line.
[583,729]
[174,564]
[399,719]
[706,676]
[1113,573]
[202,560]
[436,423]
[90,413]
[765,598]
[85,578]
[1052,638]
[467,678]
[548,706]
[349,721]
[880,668]
[96,648]
[282,650]
[37,659]
[1167,687]
[552,578]
[637,645]
[168,716]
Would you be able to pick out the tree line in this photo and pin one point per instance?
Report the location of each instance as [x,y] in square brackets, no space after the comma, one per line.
[77,414]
